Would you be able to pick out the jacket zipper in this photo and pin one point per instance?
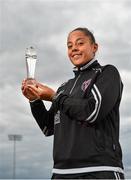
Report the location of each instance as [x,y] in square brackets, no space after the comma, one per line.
[74,84]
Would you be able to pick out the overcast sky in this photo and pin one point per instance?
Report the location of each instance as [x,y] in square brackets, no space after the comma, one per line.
[45,25]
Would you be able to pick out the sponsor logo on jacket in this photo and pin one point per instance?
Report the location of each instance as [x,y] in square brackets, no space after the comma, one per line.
[85,84]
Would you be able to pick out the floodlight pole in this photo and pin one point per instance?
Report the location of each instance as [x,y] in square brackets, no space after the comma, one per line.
[14,137]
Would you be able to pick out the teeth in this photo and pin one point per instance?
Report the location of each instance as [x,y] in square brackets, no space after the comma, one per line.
[76,56]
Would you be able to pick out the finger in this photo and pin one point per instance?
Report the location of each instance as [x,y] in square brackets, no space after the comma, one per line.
[23,87]
[32,87]
[33,91]
[36,89]
[24,92]
[29,95]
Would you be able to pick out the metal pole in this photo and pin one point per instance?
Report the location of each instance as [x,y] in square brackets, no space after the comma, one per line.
[14,159]
[14,137]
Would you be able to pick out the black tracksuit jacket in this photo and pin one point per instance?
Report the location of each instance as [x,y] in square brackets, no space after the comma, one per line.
[84,118]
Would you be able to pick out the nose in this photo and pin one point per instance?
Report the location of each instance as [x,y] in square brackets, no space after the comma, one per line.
[74,48]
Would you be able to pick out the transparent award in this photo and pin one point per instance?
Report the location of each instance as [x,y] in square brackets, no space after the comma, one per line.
[31,59]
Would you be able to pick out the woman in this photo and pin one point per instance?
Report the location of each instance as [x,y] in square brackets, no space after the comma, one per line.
[84,116]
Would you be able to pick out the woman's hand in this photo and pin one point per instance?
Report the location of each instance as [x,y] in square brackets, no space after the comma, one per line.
[27,93]
[43,92]
[39,91]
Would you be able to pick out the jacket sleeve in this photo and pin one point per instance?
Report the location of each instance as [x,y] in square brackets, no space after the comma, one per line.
[98,103]
[44,118]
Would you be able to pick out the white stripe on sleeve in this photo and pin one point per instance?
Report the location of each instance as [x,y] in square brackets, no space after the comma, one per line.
[98,99]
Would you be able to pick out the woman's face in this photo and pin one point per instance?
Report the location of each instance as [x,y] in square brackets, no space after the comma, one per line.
[80,48]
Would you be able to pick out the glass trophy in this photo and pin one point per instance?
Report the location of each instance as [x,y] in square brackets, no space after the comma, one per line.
[31,58]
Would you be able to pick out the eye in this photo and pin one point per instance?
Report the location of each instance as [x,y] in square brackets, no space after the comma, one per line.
[80,43]
[69,46]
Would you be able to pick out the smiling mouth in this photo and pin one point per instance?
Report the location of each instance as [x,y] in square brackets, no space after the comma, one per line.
[76,56]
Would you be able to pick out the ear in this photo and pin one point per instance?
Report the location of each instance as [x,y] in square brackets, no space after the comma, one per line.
[95,47]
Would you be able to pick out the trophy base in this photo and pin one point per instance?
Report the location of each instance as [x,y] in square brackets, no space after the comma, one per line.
[31,81]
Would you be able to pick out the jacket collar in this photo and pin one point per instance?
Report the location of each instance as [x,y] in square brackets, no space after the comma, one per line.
[86,66]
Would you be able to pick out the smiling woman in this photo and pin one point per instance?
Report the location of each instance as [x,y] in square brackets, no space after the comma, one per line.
[81,46]
[84,115]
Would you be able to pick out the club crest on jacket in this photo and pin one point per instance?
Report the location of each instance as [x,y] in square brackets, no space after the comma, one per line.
[85,84]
